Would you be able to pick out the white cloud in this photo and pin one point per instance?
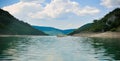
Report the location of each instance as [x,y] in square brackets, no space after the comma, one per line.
[34,9]
[58,7]
[22,10]
[35,1]
[110,3]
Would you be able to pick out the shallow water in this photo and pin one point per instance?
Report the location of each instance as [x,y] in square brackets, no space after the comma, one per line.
[51,48]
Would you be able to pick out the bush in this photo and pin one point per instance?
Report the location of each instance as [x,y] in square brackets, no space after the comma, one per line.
[113,29]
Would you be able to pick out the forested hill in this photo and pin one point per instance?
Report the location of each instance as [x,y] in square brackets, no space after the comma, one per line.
[9,25]
[110,22]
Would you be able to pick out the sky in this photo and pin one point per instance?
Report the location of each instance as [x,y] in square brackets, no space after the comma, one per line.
[62,14]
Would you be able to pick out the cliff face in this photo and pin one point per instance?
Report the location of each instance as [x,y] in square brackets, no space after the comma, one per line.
[110,22]
[9,25]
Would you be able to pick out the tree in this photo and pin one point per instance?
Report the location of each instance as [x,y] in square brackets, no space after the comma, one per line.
[95,21]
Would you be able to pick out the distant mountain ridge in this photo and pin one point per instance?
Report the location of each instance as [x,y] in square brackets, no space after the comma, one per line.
[110,22]
[67,31]
[53,31]
[9,25]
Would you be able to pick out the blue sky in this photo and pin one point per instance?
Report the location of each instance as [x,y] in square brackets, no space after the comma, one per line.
[62,14]
[7,2]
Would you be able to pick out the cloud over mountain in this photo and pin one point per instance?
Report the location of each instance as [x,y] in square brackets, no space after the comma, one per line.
[34,9]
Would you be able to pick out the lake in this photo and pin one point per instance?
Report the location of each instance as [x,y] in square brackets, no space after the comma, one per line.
[52,48]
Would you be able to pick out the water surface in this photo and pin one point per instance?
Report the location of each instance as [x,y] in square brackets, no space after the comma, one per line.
[51,48]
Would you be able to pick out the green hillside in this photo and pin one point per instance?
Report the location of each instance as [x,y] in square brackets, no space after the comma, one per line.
[110,22]
[9,25]
[53,31]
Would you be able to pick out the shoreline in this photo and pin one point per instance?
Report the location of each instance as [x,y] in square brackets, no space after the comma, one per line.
[19,35]
[101,35]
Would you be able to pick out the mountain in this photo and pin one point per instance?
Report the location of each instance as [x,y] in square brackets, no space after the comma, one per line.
[53,31]
[49,30]
[9,25]
[110,22]
[81,29]
[67,31]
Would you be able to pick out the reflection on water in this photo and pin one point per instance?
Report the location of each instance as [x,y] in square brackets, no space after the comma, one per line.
[111,47]
[51,48]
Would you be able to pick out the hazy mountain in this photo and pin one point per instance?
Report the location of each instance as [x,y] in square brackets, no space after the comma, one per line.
[110,22]
[53,31]
[67,31]
[9,25]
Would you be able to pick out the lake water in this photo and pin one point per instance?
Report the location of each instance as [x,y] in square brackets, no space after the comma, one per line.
[51,48]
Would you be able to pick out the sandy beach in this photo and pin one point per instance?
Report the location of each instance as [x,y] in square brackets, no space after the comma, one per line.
[102,35]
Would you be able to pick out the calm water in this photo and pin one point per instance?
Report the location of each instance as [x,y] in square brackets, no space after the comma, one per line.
[51,48]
